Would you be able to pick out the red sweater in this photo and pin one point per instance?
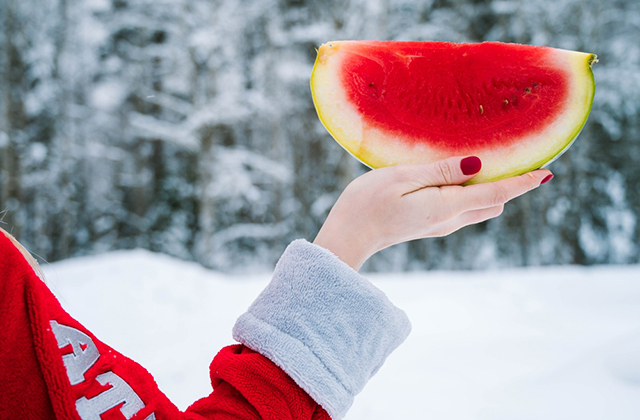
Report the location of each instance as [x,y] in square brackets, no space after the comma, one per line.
[51,367]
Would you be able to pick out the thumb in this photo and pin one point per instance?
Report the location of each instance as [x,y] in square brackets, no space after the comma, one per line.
[450,171]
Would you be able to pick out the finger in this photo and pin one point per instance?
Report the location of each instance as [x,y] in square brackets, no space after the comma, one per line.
[450,171]
[481,196]
[470,218]
[478,216]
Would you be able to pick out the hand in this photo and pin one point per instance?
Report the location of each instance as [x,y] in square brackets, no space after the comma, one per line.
[391,205]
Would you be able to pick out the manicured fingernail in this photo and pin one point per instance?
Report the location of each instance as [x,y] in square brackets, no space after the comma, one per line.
[470,165]
[546,179]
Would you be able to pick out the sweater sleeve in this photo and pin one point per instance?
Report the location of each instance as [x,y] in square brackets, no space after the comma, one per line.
[324,324]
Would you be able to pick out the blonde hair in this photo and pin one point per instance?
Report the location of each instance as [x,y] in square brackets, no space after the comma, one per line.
[26,254]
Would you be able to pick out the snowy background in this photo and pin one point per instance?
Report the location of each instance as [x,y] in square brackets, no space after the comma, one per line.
[187,127]
[553,343]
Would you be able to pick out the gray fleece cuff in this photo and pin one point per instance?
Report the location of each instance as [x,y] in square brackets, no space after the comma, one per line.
[324,324]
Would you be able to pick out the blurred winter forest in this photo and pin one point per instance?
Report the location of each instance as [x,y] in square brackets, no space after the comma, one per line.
[187,127]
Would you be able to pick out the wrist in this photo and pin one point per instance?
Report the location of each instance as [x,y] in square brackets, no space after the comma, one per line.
[351,249]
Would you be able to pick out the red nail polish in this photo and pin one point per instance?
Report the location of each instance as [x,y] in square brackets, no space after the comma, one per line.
[470,165]
[546,179]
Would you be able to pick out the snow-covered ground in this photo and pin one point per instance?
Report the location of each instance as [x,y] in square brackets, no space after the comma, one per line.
[547,343]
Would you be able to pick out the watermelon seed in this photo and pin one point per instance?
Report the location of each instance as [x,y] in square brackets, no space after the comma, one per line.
[527,90]
[371,84]
[481,110]
[506,102]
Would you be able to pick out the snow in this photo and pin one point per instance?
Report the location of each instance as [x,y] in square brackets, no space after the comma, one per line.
[108,95]
[38,152]
[544,343]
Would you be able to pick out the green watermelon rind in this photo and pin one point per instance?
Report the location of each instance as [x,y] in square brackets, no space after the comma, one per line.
[593,59]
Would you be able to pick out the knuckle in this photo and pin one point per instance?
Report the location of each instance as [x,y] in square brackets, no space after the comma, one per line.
[530,182]
[445,171]
[499,196]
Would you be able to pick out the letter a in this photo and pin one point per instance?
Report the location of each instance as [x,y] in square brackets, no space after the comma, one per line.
[78,362]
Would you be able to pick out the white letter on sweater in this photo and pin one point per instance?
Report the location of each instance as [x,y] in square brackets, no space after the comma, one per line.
[78,362]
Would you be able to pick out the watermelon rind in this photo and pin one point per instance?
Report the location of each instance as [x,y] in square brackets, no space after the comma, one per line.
[591,60]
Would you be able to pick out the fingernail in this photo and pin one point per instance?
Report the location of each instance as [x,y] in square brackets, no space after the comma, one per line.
[470,165]
[546,179]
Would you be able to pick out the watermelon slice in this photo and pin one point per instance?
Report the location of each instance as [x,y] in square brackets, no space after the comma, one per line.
[517,107]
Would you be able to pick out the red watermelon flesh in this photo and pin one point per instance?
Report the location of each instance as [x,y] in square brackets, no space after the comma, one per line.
[517,107]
